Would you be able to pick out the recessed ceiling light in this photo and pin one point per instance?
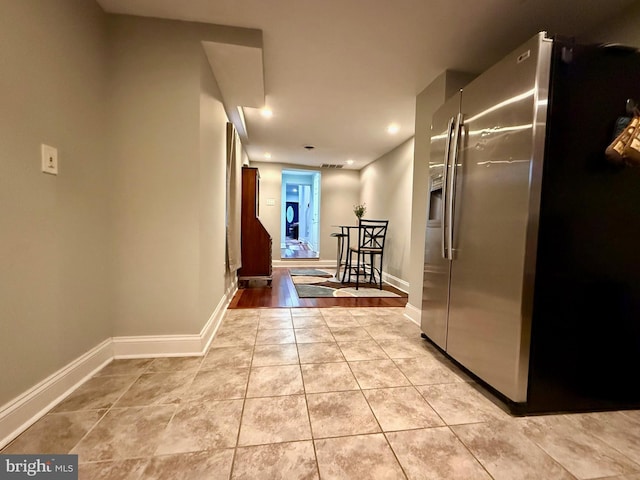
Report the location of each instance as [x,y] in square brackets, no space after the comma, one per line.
[267,155]
[266,112]
[349,162]
[393,128]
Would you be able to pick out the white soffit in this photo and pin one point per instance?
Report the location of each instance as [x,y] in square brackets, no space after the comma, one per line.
[239,72]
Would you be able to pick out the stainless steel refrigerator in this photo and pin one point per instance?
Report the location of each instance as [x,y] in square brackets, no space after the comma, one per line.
[532,263]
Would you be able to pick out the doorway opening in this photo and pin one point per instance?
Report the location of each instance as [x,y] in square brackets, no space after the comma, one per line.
[300,216]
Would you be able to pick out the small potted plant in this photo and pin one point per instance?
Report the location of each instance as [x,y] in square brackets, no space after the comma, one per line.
[360,209]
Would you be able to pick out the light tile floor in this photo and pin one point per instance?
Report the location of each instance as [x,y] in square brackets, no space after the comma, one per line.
[319,393]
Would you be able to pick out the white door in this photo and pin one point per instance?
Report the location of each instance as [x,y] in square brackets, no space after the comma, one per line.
[314,240]
[305,213]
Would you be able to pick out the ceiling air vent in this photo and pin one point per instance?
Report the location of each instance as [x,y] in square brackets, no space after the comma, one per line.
[330,165]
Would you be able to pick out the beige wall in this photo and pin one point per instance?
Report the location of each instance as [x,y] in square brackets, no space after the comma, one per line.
[214,279]
[339,192]
[386,188]
[55,270]
[129,238]
[168,127]
[625,28]
[155,128]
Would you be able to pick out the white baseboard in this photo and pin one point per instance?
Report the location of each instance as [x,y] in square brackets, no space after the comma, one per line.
[305,263]
[396,282]
[147,346]
[210,328]
[413,313]
[21,412]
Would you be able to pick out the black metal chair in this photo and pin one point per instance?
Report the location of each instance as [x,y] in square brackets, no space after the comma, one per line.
[371,238]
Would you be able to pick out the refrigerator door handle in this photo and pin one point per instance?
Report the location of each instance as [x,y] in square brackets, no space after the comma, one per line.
[445,176]
[451,189]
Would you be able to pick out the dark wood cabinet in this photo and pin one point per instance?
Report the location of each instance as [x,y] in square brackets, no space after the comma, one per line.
[255,240]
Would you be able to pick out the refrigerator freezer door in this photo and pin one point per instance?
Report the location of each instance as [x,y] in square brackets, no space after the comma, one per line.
[435,289]
[487,325]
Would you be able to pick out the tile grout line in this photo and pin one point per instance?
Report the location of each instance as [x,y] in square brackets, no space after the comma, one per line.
[393,361]
[384,433]
[375,417]
[109,408]
[469,450]
[244,402]
[306,404]
[545,450]
[304,395]
[595,435]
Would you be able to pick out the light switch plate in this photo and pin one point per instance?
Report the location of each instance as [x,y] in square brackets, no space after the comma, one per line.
[271,202]
[49,159]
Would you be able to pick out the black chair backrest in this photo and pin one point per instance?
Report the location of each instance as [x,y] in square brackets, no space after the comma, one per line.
[372,233]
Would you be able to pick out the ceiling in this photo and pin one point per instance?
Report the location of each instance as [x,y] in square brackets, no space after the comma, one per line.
[337,73]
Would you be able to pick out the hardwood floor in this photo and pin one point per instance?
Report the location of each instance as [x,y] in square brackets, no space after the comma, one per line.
[282,293]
